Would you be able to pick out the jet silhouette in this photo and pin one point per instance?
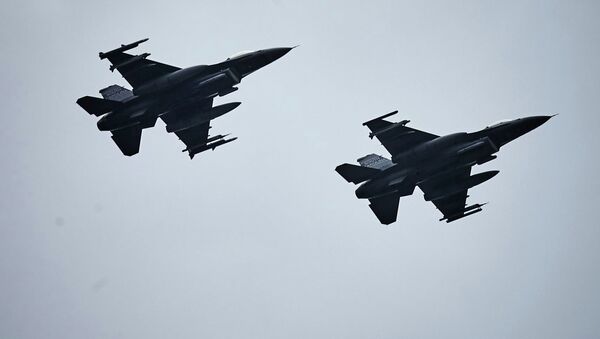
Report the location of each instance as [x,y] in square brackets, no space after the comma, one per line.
[439,165]
[182,98]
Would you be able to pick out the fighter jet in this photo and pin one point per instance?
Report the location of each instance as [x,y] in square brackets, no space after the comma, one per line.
[182,98]
[439,165]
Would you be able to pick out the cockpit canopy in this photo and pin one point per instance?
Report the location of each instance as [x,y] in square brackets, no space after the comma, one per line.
[498,123]
[240,54]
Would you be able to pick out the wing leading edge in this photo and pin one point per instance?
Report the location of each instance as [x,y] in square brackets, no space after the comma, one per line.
[136,69]
[395,136]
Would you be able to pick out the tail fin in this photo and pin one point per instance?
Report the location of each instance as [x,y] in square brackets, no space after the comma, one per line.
[356,174]
[116,93]
[375,161]
[97,106]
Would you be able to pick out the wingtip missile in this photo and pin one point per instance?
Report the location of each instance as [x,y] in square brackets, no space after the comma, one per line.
[221,142]
[203,144]
[474,206]
[208,145]
[464,215]
[123,48]
[469,210]
[380,118]
[217,137]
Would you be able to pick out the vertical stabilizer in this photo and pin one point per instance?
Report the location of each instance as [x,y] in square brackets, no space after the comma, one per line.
[375,161]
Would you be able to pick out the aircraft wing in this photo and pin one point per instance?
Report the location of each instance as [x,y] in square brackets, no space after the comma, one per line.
[136,69]
[443,193]
[395,136]
[386,207]
[453,205]
[194,136]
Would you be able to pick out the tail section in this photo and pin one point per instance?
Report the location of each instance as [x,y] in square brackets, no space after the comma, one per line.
[370,166]
[386,207]
[116,93]
[375,161]
[97,106]
[128,139]
[356,174]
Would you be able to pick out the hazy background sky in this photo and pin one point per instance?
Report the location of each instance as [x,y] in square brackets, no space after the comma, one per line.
[261,238]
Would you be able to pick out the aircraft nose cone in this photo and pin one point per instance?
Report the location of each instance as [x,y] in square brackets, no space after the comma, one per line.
[537,121]
[273,54]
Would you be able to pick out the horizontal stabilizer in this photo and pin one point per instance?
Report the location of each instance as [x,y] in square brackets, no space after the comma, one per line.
[385,208]
[356,174]
[128,139]
[123,48]
[97,106]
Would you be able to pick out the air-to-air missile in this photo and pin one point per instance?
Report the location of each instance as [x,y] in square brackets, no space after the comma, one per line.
[123,48]
[469,210]
[208,144]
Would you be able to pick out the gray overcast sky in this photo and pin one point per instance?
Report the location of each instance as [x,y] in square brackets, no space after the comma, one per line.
[262,239]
